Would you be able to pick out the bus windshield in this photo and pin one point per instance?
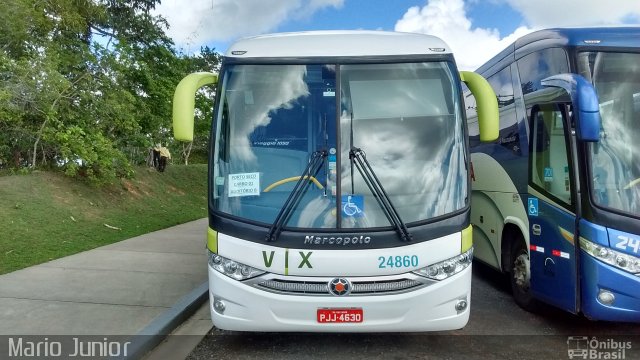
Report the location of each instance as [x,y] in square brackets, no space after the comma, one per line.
[615,159]
[405,117]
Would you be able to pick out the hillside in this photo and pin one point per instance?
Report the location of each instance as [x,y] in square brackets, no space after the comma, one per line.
[45,215]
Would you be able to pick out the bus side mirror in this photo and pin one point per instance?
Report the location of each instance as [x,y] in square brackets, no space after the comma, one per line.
[585,102]
[184,100]
[486,103]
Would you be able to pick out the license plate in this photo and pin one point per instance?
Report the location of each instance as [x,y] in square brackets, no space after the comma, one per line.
[340,315]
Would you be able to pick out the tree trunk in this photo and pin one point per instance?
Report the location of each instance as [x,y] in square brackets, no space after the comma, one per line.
[186,151]
[47,116]
[16,158]
[35,144]
[44,156]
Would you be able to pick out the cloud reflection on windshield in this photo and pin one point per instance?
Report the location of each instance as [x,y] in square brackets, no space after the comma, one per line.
[416,151]
[258,91]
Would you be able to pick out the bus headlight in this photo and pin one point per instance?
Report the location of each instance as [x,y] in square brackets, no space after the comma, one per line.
[614,258]
[448,267]
[232,269]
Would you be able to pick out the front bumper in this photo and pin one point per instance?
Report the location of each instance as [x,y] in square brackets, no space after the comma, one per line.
[598,276]
[430,308]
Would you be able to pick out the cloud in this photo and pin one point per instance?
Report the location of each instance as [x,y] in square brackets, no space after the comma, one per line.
[472,47]
[447,19]
[203,21]
[577,12]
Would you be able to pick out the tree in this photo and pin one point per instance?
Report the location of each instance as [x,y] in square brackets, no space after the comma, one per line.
[87,85]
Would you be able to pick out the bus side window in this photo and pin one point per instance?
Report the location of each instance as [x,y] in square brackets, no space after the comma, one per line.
[549,170]
[472,117]
[539,65]
[502,85]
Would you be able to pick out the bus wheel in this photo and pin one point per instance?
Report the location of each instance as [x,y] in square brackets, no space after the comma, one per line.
[521,277]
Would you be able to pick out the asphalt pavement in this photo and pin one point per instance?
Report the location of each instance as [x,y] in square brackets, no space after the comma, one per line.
[141,287]
[497,329]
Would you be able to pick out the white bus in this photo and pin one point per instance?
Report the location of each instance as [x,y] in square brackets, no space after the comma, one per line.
[339,182]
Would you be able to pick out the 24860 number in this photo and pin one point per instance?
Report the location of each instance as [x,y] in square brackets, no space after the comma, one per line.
[397,261]
[627,243]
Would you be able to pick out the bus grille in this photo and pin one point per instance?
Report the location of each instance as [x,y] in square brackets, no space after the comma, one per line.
[367,287]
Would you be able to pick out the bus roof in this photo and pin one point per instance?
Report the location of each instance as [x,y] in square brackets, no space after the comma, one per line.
[591,36]
[616,36]
[336,44]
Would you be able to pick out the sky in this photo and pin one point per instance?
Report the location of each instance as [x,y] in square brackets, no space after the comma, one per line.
[474,29]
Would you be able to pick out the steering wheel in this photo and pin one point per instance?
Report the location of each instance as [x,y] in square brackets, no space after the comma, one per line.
[293,178]
[632,184]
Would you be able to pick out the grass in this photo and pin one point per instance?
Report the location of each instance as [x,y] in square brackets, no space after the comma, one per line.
[45,215]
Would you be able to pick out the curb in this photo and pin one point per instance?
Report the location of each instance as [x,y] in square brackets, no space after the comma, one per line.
[154,333]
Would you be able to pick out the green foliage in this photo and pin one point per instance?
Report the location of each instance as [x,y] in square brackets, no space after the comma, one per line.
[86,86]
[91,155]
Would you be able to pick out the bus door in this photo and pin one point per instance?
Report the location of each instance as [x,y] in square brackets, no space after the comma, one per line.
[550,207]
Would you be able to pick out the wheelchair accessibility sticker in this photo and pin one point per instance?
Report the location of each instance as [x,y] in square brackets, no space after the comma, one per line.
[533,207]
[352,205]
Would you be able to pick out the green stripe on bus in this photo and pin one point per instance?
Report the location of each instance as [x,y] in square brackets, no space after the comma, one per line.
[467,239]
[212,240]
[286,262]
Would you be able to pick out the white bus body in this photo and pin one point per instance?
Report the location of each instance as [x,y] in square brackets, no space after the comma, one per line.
[338,190]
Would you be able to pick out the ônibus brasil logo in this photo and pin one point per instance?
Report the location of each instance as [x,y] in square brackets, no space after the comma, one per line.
[583,347]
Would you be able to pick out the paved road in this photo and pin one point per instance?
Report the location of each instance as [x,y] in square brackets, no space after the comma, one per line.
[497,329]
[116,289]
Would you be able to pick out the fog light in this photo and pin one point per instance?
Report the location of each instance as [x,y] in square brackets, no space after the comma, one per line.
[606,297]
[219,306]
[461,305]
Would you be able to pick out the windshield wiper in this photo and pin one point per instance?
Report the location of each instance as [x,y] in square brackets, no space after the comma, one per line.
[359,158]
[311,171]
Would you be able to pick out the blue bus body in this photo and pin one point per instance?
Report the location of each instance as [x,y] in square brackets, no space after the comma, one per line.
[556,199]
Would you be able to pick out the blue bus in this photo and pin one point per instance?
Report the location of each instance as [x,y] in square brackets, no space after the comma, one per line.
[556,199]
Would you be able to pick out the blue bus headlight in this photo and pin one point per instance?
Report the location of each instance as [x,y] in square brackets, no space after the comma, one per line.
[446,268]
[232,269]
[620,260]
